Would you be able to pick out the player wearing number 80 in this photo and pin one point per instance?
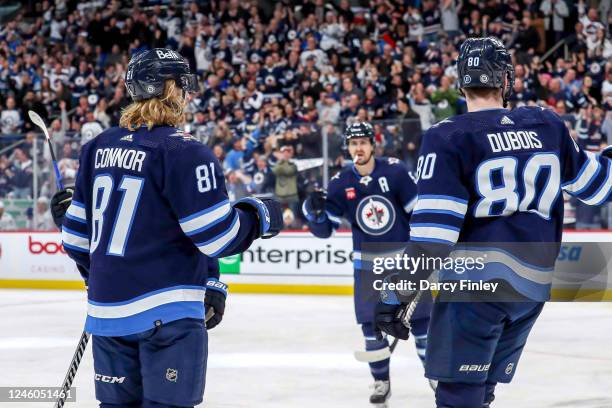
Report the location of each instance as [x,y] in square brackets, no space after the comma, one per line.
[149,216]
[494,176]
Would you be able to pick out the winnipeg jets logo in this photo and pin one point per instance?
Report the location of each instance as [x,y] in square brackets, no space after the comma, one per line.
[375,215]
[365,180]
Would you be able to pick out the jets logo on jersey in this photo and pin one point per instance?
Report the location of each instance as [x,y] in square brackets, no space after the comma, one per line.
[375,215]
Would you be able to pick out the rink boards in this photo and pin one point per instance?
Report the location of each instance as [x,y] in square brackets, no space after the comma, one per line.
[293,262]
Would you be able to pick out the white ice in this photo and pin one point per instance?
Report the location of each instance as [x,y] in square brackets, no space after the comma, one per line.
[296,351]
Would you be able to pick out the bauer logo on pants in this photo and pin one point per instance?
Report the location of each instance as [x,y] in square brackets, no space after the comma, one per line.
[171,374]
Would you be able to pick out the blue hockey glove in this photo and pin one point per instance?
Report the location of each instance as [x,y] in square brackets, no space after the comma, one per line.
[59,205]
[314,206]
[269,213]
[216,293]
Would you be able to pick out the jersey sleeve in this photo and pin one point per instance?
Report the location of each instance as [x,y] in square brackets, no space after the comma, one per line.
[442,198]
[75,233]
[408,192]
[585,175]
[194,186]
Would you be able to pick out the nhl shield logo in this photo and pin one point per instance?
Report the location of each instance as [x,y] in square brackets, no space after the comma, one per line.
[375,215]
[171,374]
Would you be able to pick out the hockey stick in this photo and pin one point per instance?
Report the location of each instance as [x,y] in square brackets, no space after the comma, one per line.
[72,370]
[384,353]
[37,120]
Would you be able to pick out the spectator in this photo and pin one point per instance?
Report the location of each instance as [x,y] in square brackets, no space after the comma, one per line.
[555,12]
[7,222]
[21,174]
[236,185]
[10,118]
[91,128]
[42,219]
[286,189]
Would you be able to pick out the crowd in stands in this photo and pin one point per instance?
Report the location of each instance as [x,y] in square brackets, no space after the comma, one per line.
[279,78]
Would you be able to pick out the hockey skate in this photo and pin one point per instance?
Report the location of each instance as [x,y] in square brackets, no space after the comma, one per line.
[381,394]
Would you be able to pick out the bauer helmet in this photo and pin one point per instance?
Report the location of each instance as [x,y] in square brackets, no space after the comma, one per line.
[485,63]
[148,71]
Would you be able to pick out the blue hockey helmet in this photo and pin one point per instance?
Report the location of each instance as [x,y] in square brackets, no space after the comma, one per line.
[148,71]
[359,129]
[485,63]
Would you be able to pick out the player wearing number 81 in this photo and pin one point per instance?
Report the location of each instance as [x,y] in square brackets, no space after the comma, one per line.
[493,177]
[149,216]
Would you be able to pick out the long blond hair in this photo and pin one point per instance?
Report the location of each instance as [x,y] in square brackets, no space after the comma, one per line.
[169,109]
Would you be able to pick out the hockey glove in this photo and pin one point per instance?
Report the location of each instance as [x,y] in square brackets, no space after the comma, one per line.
[59,205]
[216,293]
[390,312]
[269,213]
[315,205]
[390,319]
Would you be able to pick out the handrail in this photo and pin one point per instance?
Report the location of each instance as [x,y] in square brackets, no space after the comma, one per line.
[552,50]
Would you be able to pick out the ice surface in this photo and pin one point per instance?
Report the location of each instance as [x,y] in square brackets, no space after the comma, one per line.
[296,351]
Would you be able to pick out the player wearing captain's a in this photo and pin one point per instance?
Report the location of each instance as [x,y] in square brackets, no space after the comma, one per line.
[205,219]
[217,244]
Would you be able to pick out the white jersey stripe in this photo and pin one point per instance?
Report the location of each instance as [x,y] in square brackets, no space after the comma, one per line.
[588,171]
[218,243]
[434,233]
[142,305]
[440,204]
[205,219]
[74,240]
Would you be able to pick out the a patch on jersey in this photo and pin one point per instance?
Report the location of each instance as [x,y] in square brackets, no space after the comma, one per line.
[467,79]
[127,138]
[375,215]
[393,160]
[350,193]
[506,121]
[441,123]
[365,180]
[484,78]
[185,136]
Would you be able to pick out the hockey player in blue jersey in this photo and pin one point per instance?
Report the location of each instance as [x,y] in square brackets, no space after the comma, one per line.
[149,215]
[491,178]
[376,195]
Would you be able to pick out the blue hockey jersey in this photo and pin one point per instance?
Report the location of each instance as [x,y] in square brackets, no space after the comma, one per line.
[378,206]
[495,176]
[150,214]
